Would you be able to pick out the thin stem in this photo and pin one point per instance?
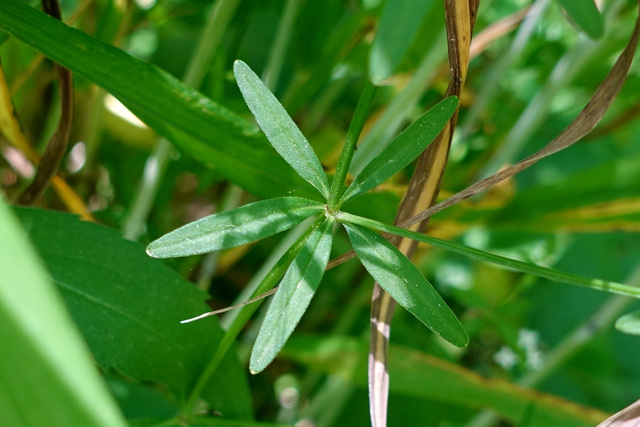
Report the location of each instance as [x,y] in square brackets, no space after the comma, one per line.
[512,264]
[158,161]
[243,316]
[271,73]
[355,128]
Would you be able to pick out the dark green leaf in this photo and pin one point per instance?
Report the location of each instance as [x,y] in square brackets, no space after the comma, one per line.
[158,98]
[399,24]
[233,228]
[402,280]
[280,129]
[129,307]
[48,379]
[585,14]
[629,323]
[293,297]
[403,149]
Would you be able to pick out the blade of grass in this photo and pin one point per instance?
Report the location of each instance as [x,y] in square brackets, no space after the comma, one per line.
[403,149]
[294,295]
[404,282]
[585,14]
[233,228]
[511,264]
[280,129]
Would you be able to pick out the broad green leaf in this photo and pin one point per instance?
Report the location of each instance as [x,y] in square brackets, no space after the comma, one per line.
[398,26]
[403,149]
[294,294]
[279,128]
[629,323]
[209,132]
[129,307]
[404,282]
[48,378]
[585,14]
[511,264]
[236,227]
[419,375]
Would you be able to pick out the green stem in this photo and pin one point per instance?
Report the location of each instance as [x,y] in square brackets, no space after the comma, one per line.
[271,73]
[511,264]
[355,128]
[245,313]
[158,161]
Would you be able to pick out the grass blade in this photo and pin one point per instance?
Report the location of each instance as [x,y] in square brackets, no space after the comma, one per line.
[280,129]
[293,297]
[404,282]
[235,227]
[585,14]
[403,149]
[508,263]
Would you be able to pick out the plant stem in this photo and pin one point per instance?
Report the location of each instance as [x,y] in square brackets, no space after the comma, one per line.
[271,73]
[245,313]
[158,161]
[512,264]
[355,128]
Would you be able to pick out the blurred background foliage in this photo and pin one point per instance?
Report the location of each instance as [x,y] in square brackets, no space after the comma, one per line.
[577,211]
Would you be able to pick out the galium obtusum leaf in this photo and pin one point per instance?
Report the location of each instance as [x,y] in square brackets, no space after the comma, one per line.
[293,297]
[402,280]
[403,149]
[233,228]
[280,129]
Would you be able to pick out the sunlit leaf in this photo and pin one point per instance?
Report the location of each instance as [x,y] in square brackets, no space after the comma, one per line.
[293,297]
[629,323]
[280,129]
[404,282]
[403,149]
[235,227]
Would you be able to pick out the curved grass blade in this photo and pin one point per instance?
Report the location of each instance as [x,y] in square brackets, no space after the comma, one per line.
[585,14]
[404,282]
[235,227]
[403,149]
[293,297]
[279,128]
[508,263]
[629,323]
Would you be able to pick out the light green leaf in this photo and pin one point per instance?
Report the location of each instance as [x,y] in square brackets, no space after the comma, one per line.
[629,323]
[402,280]
[211,133]
[399,24]
[511,264]
[293,297]
[233,228]
[280,129]
[403,149]
[128,307]
[585,14]
[48,378]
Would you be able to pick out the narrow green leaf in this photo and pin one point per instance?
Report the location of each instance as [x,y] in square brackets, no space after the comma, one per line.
[48,378]
[399,24]
[209,132]
[403,149]
[293,297]
[585,14]
[233,228]
[280,129]
[511,264]
[128,307]
[629,323]
[404,282]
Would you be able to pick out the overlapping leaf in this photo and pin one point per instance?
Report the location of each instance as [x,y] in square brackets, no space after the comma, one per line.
[403,149]
[235,227]
[280,129]
[295,292]
[404,282]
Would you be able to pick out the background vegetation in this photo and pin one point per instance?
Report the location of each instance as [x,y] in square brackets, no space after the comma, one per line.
[541,353]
